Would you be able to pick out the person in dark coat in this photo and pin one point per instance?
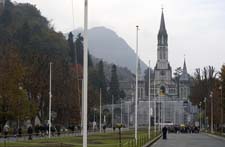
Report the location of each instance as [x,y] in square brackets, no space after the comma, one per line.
[30,132]
[20,132]
[164,131]
[104,127]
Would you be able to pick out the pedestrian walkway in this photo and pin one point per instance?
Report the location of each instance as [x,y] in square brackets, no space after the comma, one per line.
[190,140]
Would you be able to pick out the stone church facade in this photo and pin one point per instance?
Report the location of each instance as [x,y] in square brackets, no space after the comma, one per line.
[169,96]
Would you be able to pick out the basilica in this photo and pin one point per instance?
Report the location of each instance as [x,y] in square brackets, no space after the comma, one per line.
[169,96]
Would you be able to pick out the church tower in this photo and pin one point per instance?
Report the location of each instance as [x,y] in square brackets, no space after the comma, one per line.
[163,71]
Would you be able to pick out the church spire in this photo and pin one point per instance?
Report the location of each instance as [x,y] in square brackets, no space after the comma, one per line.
[162,23]
[184,66]
[162,35]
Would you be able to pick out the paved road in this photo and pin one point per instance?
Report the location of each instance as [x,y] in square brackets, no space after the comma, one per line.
[190,140]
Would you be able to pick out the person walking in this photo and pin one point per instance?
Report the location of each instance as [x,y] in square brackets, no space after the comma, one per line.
[164,131]
[30,132]
[6,130]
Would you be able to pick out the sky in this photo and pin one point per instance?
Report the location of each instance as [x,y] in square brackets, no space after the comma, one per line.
[196,28]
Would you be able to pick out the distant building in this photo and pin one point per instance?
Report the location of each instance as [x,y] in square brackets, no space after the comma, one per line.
[171,95]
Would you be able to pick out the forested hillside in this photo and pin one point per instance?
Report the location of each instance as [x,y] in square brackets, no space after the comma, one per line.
[28,43]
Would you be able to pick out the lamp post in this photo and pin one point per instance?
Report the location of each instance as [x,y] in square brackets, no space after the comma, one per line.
[100,109]
[174,113]
[128,116]
[205,100]
[149,103]
[112,111]
[94,121]
[85,74]
[50,100]
[200,117]
[155,106]
[221,89]
[121,112]
[160,110]
[211,96]
[136,94]
[94,115]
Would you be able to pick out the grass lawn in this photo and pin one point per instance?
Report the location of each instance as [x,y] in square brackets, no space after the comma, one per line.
[97,140]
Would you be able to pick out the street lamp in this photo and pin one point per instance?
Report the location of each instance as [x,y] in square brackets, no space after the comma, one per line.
[200,122]
[94,115]
[94,121]
[136,94]
[100,109]
[121,112]
[128,116]
[205,101]
[112,111]
[50,100]
[221,88]
[211,96]
[85,74]
[149,103]
[155,106]
[160,109]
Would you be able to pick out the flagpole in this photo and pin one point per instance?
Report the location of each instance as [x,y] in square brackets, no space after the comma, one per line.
[85,73]
[136,94]
[155,104]
[100,123]
[50,100]
[149,99]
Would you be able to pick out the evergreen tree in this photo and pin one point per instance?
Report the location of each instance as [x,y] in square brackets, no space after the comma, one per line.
[114,85]
[72,48]
[102,82]
[80,51]
[79,48]
[222,80]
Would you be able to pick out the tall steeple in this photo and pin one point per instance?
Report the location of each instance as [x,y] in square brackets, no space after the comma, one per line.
[163,71]
[162,35]
[184,66]
[184,75]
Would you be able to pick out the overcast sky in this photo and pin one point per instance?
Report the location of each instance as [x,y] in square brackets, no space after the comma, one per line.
[196,28]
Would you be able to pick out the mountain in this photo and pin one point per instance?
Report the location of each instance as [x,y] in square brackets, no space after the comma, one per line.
[107,45]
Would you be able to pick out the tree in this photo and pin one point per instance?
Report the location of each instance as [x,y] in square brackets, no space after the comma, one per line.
[72,52]
[14,102]
[80,51]
[102,82]
[222,84]
[114,85]
[204,82]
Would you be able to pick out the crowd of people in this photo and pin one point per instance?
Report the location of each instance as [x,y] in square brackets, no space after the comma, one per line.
[183,129]
[179,129]
[38,130]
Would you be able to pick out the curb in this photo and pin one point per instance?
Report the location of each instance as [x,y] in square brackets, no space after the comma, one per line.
[148,144]
[215,136]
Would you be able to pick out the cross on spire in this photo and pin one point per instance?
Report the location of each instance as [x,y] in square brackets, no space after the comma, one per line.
[162,7]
